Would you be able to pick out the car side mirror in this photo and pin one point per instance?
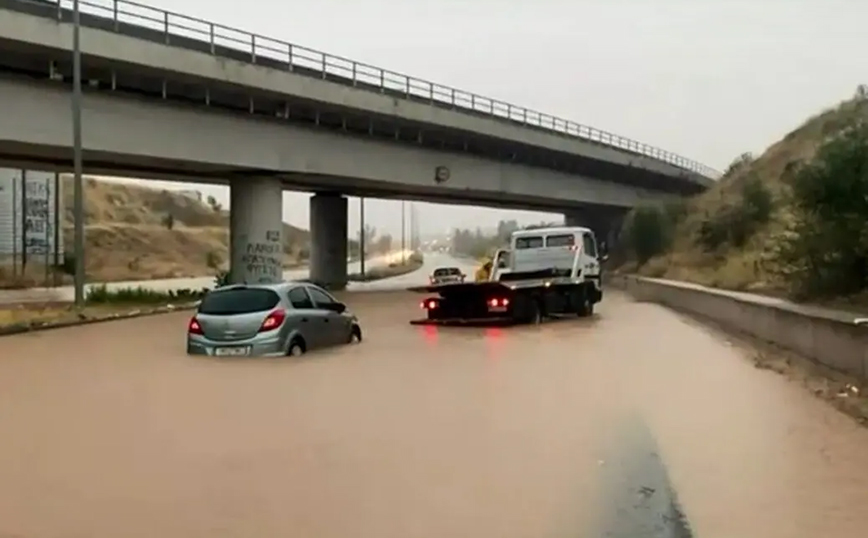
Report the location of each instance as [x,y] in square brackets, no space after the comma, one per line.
[340,308]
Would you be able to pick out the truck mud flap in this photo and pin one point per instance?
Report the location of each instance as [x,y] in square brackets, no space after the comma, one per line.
[456,322]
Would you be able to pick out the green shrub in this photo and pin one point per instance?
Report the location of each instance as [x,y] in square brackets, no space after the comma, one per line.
[826,252]
[213,260]
[140,295]
[647,232]
[222,279]
[735,223]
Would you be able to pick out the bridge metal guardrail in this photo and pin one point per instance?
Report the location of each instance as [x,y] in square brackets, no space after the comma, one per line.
[218,39]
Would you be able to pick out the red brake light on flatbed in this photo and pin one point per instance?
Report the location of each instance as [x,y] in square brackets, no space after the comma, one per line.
[193,326]
[429,304]
[498,302]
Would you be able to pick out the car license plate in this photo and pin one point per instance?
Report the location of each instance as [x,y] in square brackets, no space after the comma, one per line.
[497,309]
[235,351]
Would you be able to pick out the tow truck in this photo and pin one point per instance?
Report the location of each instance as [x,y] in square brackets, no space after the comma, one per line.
[543,273]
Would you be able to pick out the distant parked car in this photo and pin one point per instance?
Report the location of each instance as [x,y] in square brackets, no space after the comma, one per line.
[290,318]
[445,275]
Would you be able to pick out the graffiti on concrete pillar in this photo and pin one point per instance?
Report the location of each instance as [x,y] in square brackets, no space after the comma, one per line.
[263,261]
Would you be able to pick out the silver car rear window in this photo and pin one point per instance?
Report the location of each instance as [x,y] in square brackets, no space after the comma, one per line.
[238,301]
[447,271]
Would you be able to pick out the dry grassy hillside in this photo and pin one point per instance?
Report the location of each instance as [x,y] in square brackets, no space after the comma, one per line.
[753,266]
[128,233]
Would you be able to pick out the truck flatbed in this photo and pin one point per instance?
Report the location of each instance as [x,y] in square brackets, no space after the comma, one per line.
[484,287]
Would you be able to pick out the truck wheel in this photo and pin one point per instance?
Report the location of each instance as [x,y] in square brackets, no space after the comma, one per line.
[535,316]
[586,305]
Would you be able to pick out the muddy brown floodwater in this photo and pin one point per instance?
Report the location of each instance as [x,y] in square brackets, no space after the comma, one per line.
[111,431]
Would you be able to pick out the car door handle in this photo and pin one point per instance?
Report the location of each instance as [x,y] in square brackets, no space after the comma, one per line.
[304,320]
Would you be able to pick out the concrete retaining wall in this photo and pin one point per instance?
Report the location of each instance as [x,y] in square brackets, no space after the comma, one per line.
[828,337]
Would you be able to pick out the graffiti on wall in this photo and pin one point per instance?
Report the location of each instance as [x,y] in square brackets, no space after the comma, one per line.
[263,260]
[29,223]
[38,228]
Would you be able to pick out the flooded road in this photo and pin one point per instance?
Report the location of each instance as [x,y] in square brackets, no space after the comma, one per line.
[576,428]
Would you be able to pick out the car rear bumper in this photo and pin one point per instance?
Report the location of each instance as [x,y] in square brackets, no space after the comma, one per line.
[272,347]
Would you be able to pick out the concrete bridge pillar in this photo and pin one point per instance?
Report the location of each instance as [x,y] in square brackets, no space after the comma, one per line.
[328,240]
[255,231]
[604,225]
[574,218]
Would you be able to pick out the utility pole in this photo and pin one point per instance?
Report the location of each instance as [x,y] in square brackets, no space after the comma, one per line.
[403,232]
[362,234]
[412,230]
[78,187]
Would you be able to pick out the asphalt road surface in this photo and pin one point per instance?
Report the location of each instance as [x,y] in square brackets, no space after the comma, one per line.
[634,423]
[431,261]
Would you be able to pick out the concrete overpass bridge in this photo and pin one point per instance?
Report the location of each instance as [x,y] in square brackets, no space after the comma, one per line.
[172,97]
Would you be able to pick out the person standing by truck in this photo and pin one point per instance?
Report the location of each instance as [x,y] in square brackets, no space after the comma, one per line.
[484,272]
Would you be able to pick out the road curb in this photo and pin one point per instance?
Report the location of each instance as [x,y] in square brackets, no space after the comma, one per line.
[833,338]
[20,328]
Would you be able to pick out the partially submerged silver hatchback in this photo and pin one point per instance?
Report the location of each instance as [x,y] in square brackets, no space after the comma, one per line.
[290,318]
[446,275]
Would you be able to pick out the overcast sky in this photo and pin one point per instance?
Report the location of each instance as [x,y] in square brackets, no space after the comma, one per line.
[708,79]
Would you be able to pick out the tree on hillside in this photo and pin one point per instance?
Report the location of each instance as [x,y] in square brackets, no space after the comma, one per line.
[646,232]
[506,227]
[741,162]
[368,235]
[383,244]
[827,253]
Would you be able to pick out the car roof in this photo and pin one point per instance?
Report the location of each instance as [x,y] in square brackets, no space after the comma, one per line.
[277,286]
[550,230]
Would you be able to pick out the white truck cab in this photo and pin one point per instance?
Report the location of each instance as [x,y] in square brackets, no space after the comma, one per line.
[568,254]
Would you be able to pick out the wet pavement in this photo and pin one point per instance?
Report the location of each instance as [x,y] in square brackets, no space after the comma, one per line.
[632,423]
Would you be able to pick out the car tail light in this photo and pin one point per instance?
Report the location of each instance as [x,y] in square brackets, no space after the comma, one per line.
[273,320]
[498,301]
[194,327]
[429,304]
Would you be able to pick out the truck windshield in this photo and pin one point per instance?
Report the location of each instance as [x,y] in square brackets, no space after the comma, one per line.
[535,241]
[561,240]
